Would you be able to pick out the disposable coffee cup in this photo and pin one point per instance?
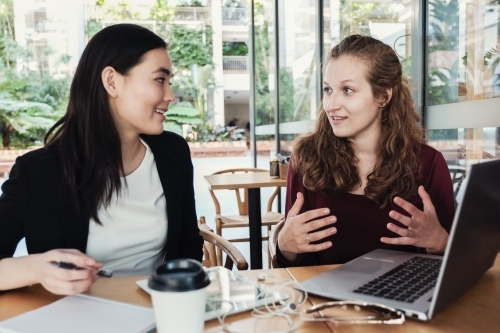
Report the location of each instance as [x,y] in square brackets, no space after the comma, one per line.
[178,292]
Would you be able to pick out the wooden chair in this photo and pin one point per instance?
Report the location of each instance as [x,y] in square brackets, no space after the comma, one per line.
[457,173]
[269,218]
[273,242]
[213,241]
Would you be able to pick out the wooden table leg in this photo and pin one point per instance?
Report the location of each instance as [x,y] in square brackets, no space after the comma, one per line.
[255,221]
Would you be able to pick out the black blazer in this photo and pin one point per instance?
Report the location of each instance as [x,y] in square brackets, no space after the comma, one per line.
[32,204]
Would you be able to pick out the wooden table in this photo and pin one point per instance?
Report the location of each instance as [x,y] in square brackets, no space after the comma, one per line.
[253,182]
[477,310]
[16,302]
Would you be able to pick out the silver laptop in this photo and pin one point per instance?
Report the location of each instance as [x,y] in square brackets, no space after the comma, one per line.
[418,284]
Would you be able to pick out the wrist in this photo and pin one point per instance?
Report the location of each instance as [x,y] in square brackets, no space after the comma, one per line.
[33,263]
[287,255]
[440,245]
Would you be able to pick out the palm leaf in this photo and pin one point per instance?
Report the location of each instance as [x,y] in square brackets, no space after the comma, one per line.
[172,127]
[185,120]
[183,110]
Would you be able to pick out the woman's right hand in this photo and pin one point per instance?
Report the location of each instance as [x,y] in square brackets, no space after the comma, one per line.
[66,281]
[297,233]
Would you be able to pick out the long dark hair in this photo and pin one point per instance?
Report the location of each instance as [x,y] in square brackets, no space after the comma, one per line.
[398,149]
[86,136]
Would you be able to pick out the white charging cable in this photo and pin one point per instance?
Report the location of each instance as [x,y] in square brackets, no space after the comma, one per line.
[283,308]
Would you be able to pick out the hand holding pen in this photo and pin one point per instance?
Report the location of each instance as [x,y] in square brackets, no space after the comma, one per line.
[67,265]
[71,273]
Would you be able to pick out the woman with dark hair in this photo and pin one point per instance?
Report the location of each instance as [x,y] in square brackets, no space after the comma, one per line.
[110,187]
[364,179]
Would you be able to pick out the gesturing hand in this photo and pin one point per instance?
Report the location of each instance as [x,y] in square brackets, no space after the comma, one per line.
[66,281]
[424,229]
[297,233]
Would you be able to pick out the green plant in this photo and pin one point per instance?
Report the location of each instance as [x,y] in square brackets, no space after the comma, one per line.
[189,46]
[30,102]
[234,49]
[443,19]
[190,3]
[264,111]
[24,118]
[161,11]
[232,4]
[179,114]
[207,133]
[491,57]
[120,12]
[442,82]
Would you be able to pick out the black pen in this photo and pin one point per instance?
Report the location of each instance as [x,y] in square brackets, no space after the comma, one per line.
[67,265]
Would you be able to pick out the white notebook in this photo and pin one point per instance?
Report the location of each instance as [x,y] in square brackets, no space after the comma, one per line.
[83,314]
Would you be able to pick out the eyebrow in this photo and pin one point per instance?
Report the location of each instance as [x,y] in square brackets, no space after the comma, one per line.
[343,81]
[164,70]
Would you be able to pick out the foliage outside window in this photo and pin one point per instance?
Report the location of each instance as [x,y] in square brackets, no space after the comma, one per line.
[264,112]
[234,49]
[190,3]
[30,100]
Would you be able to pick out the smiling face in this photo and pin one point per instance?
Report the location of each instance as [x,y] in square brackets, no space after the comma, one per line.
[348,100]
[139,99]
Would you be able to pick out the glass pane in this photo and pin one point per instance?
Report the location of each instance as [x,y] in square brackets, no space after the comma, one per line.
[463,59]
[463,147]
[264,62]
[388,21]
[297,52]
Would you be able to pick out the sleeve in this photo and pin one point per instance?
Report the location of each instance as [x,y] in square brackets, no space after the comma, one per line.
[440,189]
[191,242]
[293,186]
[13,209]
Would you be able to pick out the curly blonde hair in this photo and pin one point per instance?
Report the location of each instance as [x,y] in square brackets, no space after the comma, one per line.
[396,168]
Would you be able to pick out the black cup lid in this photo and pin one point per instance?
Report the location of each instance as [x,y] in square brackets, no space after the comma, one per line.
[179,275]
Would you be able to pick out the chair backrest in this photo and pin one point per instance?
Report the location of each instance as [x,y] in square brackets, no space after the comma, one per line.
[211,241]
[242,194]
[273,242]
[457,173]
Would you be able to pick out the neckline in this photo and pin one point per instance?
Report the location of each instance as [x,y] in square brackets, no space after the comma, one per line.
[146,156]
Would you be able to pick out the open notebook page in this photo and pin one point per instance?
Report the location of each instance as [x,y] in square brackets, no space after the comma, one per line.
[83,314]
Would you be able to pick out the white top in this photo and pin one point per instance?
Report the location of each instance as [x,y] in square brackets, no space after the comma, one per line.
[134,226]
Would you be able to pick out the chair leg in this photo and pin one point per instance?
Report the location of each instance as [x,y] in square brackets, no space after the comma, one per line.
[218,231]
[268,253]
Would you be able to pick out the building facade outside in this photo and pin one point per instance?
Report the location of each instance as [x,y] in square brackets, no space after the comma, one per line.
[267,57]
[59,29]
[448,48]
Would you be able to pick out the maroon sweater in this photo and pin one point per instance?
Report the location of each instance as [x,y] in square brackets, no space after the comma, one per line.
[361,223]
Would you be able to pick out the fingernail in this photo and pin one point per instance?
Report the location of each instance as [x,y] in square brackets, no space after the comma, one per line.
[328,244]
[332,219]
[326,211]
[333,230]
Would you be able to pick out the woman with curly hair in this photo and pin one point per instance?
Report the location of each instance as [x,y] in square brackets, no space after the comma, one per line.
[364,179]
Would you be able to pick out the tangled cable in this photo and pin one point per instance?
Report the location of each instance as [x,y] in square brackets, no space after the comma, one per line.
[273,307]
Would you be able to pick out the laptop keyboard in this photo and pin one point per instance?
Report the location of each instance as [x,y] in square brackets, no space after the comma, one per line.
[405,283]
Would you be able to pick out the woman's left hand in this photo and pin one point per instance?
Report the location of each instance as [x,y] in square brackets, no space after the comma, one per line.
[424,229]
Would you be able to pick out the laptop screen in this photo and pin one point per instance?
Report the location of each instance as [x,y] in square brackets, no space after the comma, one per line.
[474,238]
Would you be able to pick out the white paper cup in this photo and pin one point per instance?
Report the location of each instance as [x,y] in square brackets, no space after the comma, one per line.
[178,292]
[179,311]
